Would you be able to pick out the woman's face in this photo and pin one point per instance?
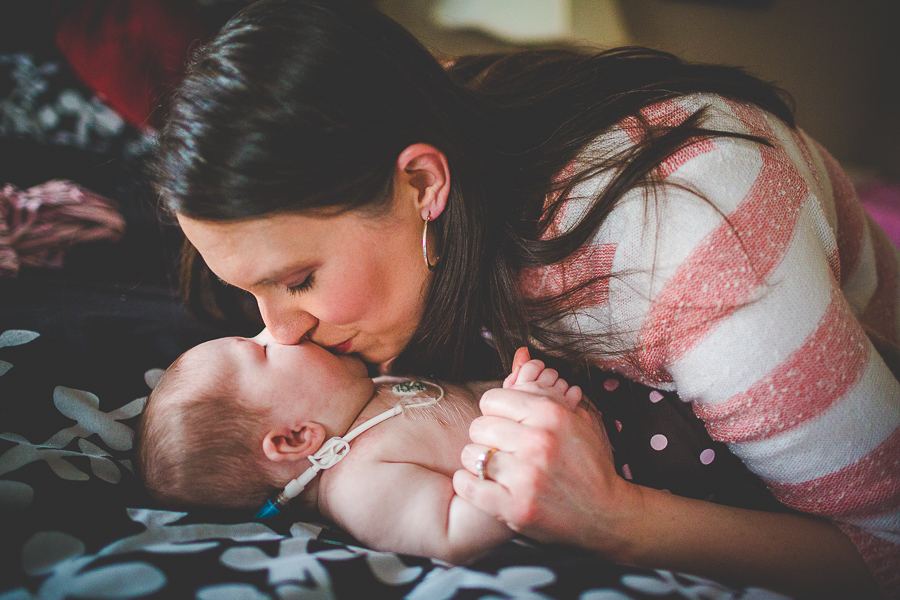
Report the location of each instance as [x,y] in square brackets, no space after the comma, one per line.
[351,283]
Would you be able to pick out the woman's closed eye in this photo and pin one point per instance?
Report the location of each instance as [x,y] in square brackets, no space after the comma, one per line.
[302,286]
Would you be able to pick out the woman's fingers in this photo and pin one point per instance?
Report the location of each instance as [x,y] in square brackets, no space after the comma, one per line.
[519,405]
[496,432]
[492,494]
[490,460]
[488,495]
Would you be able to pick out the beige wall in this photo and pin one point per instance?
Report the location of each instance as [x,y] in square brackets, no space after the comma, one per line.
[831,55]
[838,58]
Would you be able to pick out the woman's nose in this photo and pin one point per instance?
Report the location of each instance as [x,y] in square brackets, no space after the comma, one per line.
[286,325]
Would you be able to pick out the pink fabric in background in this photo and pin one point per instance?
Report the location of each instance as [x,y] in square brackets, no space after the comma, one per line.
[38,225]
[881,200]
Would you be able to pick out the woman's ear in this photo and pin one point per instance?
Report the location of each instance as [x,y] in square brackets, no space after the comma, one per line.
[284,444]
[424,169]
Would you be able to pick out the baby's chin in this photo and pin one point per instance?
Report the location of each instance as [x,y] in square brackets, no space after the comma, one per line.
[359,368]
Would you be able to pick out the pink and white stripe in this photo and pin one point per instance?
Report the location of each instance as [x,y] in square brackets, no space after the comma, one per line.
[779,324]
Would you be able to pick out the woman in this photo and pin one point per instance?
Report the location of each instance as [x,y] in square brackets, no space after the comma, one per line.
[623,210]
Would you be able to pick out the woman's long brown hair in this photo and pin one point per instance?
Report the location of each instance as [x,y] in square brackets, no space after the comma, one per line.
[300,105]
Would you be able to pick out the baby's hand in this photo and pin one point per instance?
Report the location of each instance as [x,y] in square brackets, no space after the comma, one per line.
[534,377]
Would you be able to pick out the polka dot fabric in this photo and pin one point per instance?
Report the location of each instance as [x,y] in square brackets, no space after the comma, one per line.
[658,442]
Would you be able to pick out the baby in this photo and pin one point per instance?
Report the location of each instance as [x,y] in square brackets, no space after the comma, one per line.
[233,422]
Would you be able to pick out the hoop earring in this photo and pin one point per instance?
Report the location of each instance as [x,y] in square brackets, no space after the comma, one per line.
[428,263]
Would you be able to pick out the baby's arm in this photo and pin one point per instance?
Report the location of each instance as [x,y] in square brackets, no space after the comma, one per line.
[416,512]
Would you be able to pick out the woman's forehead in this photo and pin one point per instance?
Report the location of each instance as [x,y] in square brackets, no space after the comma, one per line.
[258,251]
[212,234]
[311,222]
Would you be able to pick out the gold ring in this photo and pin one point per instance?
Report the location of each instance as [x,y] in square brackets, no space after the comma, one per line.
[482,463]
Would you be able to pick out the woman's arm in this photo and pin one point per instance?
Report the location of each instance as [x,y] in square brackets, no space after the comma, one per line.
[749,285]
[554,480]
[804,556]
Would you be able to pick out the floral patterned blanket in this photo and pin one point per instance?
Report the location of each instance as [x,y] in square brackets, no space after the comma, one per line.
[76,365]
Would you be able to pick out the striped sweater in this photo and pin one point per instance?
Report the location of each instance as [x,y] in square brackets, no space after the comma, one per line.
[779,324]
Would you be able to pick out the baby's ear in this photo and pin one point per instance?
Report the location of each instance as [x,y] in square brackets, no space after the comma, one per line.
[284,444]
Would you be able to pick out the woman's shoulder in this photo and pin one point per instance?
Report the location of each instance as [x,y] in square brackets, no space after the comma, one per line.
[628,239]
[704,179]
[718,115]
[711,163]
[654,232]
[703,185]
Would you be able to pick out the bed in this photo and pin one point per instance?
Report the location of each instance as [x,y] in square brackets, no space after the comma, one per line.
[81,347]
[78,360]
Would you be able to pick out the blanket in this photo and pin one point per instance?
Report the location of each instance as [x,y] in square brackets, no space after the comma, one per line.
[77,361]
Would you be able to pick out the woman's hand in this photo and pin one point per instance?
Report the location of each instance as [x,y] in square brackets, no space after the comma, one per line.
[553,477]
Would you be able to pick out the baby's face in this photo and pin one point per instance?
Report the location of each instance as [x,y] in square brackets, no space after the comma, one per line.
[305,376]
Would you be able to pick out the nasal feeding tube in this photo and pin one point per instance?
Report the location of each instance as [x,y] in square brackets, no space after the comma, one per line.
[337,448]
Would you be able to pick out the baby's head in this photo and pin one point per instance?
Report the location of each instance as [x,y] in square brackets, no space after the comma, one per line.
[231,421]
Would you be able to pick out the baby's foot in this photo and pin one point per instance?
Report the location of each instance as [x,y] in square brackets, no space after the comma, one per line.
[535,377]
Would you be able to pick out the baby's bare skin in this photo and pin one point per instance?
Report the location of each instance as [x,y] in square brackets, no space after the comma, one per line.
[394,490]
[407,463]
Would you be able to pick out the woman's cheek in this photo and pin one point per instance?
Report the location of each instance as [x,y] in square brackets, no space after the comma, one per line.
[346,304]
